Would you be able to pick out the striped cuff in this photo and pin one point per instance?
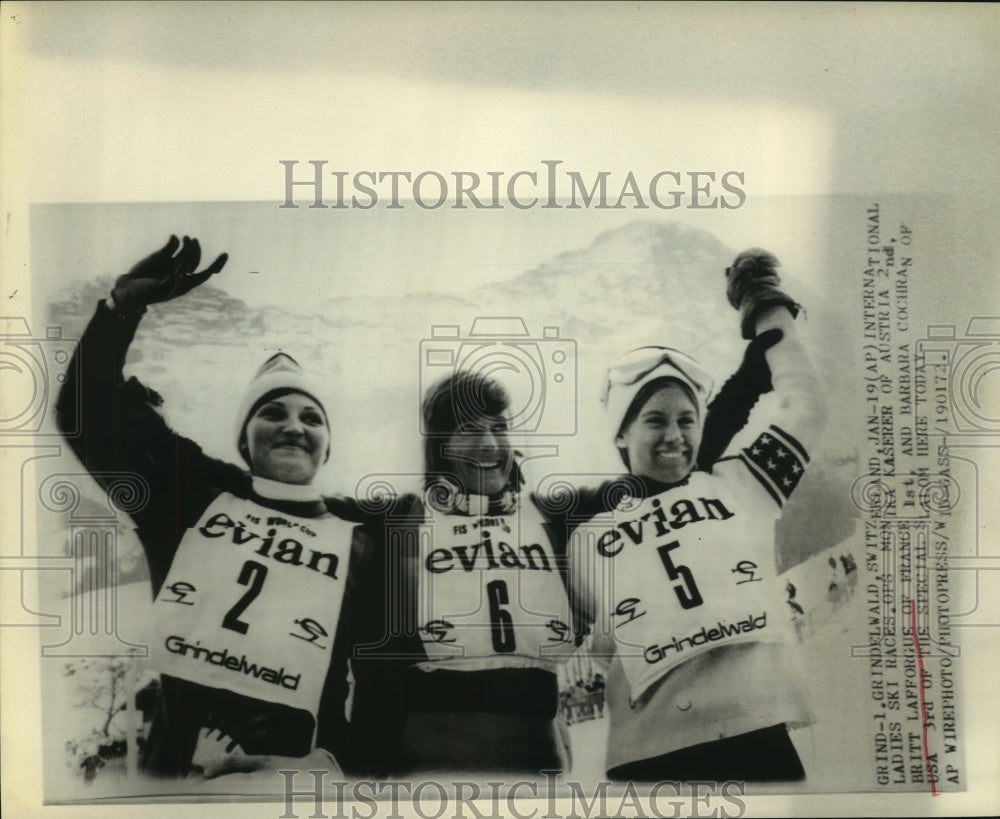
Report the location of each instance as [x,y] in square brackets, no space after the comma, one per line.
[777,461]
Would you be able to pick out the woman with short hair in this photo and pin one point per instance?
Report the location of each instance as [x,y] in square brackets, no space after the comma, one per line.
[466,680]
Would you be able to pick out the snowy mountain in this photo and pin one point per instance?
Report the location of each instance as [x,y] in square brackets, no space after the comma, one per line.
[647,282]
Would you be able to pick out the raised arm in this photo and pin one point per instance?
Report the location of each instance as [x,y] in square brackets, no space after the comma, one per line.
[730,409]
[754,288]
[162,276]
[802,407]
[93,390]
[120,430]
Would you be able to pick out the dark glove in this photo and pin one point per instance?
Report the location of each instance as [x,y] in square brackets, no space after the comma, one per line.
[753,285]
[162,276]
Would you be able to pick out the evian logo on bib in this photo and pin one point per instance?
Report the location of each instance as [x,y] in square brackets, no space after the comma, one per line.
[251,601]
[491,594]
[689,570]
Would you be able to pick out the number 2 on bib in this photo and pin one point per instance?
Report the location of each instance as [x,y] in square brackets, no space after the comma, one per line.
[252,574]
[684,586]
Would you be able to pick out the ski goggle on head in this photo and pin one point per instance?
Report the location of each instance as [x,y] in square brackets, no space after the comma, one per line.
[627,375]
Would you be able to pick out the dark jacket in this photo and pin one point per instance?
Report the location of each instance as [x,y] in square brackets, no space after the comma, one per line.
[121,431]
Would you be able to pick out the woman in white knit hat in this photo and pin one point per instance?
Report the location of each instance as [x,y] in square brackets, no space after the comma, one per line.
[249,571]
[678,567]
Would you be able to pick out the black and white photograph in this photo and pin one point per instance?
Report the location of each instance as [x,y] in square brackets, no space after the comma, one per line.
[479,409]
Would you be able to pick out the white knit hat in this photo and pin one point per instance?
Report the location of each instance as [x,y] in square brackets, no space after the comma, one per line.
[282,373]
[636,368]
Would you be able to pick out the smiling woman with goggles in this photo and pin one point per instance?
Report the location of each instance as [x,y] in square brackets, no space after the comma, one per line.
[629,374]
[703,681]
[633,367]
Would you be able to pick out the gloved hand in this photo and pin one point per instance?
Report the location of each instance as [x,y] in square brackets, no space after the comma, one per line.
[215,756]
[261,727]
[216,753]
[753,285]
[163,275]
[244,735]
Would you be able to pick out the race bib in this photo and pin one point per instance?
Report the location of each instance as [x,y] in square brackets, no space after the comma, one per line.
[683,572]
[251,602]
[490,593]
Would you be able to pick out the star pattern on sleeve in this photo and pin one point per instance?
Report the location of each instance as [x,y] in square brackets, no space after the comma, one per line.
[778,461]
